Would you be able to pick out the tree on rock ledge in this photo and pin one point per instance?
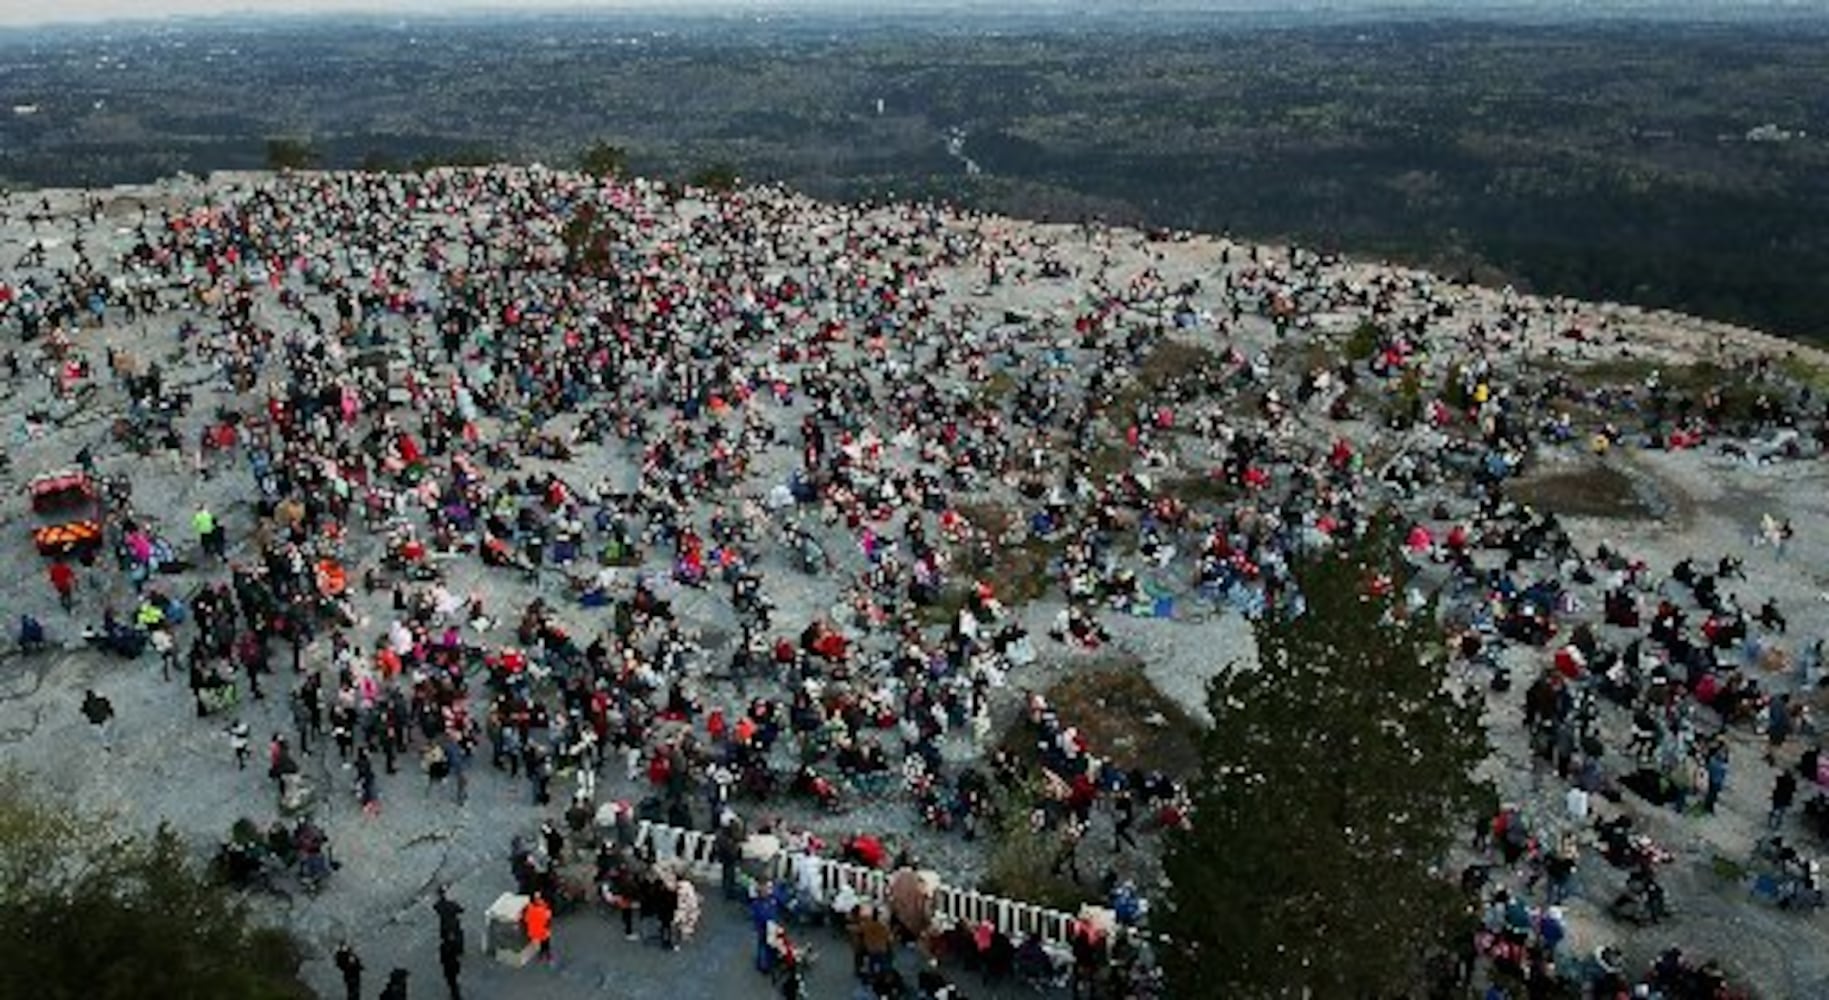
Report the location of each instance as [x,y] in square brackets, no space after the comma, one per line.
[719,178]
[603,160]
[86,914]
[290,154]
[1336,777]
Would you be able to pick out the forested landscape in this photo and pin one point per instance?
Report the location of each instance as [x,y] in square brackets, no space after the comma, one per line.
[1611,159]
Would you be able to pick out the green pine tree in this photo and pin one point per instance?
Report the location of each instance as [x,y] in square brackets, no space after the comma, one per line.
[1336,777]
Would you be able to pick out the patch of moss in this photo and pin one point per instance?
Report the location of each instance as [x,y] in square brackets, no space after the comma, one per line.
[1123,717]
[1017,571]
[1591,491]
[1202,491]
[1167,361]
[1109,460]
[998,387]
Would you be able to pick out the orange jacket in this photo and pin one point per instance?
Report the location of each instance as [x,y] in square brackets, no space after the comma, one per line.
[539,920]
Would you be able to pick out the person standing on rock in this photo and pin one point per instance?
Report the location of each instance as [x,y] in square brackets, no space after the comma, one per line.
[727,850]
[100,713]
[280,762]
[350,966]
[203,522]
[1777,726]
[301,720]
[63,580]
[238,744]
[1784,792]
[538,920]
[366,792]
[451,960]
[1715,768]
[1067,857]
[1124,816]
[450,918]
[459,755]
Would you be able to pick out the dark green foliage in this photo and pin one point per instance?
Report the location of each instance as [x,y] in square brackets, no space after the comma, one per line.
[1406,402]
[603,160]
[587,242]
[85,915]
[464,156]
[290,154]
[1454,389]
[1020,865]
[719,177]
[1335,779]
[1364,342]
[378,162]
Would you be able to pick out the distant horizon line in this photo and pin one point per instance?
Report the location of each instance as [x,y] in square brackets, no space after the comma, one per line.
[1050,11]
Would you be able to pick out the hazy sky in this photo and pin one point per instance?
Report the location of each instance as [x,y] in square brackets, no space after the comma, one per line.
[21,12]
[15,13]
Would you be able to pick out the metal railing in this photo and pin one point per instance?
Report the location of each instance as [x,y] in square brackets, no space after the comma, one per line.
[951,905]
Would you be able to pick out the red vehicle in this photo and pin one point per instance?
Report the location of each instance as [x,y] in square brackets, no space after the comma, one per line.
[69,505]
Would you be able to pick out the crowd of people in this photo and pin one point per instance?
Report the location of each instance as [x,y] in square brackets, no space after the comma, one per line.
[592,478]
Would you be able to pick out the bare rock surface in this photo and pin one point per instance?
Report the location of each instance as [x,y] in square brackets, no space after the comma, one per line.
[169,766]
